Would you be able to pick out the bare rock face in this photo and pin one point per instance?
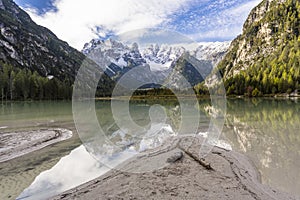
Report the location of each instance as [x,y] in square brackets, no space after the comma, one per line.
[260,38]
[230,176]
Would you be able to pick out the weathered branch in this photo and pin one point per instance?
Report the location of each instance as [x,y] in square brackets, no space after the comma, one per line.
[200,161]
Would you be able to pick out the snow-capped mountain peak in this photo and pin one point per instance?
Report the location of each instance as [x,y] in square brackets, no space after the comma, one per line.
[213,51]
[161,57]
[104,45]
[116,58]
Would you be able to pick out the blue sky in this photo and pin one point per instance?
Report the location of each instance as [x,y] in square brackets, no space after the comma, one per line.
[41,5]
[79,21]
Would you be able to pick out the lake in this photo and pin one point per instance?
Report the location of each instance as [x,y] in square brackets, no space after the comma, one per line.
[266,130]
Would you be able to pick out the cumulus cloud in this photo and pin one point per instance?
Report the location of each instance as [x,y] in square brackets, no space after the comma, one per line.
[80,21]
[77,22]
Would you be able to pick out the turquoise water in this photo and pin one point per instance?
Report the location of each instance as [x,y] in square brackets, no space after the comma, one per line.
[265,130]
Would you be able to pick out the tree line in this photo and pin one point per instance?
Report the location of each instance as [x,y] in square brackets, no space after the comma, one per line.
[278,72]
[23,84]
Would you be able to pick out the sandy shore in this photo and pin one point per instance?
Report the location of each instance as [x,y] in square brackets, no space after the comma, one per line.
[16,144]
[222,175]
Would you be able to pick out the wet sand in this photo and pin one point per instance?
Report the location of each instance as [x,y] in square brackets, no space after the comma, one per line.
[16,144]
[222,175]
[18,172]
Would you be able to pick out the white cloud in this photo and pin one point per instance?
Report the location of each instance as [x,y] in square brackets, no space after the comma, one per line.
[235,14]
[77,22]
[224,25]
[74,20]
[243,9]
[223,33]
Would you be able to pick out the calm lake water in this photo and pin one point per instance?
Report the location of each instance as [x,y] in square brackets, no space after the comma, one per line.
[265,130]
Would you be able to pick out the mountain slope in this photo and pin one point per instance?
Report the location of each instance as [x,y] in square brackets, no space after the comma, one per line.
[25,44]
[188,68]
[265,58]
[33,59]
[156,61]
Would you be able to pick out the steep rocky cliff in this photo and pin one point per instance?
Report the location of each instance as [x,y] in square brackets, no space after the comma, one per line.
[25,44]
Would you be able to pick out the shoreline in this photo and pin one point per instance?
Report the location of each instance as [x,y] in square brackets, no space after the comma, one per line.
[204,97]
[19,143]
[222,175]
[167,97]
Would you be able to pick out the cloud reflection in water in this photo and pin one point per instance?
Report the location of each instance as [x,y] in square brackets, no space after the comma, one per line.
[72,170]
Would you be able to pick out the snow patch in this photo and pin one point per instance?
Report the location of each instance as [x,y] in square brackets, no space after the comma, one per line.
[50,77]
[160,57]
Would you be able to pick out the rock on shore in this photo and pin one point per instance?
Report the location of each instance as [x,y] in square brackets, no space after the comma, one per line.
[222,175]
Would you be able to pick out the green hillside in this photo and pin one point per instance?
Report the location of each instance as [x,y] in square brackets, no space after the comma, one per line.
[265,59]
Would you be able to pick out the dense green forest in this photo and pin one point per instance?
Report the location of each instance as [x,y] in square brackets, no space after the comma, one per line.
[279,73]
[276,66]
[22,84]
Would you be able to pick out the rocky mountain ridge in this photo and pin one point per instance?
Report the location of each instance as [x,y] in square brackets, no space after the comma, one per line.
[265,57]
[117,58]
